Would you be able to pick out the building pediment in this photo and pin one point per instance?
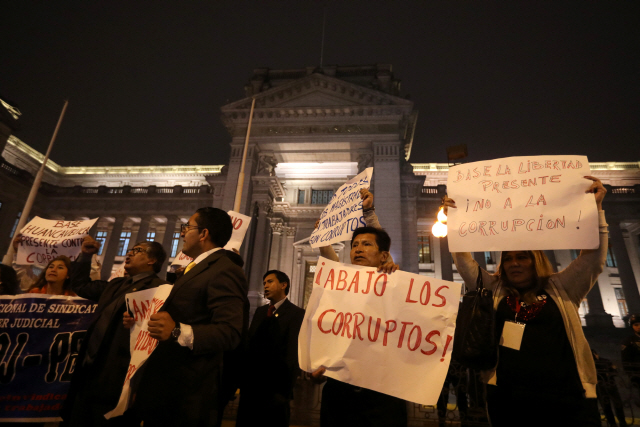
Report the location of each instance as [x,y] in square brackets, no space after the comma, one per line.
[317,91]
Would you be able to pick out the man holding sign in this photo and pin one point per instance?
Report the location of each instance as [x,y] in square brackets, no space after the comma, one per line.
[202,317]
[545,367]
[104,359]
[342,403]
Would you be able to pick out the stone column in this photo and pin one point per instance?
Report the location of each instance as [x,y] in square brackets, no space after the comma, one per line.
[145,221]
[597,317]
[276,236]
[445,259]
[166,241]
[286,264]
[627,279]
[112,247]
[259,256]
[388,193]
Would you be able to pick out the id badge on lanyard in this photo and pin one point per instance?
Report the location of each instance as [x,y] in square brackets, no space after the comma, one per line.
[512,333]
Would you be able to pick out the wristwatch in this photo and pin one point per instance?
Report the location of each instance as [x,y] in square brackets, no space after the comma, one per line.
[176,332]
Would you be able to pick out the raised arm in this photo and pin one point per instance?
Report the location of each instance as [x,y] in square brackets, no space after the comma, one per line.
[24,273]
[580,276]
[80,274]
[465,264]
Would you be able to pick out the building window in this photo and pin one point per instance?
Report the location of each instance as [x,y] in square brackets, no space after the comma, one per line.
[622,302]
[15,225]
[151,236]
[321,197]
[101,236]
[301,197]
[611,258]
[123,244]
[174,244]
[424,250]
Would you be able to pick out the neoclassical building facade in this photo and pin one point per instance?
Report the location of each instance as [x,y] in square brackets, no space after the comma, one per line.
[312,129]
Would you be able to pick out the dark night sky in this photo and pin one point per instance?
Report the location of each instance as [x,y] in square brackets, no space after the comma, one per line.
[146,80]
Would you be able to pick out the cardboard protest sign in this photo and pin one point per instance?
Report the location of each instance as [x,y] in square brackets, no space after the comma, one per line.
[343,214]
[380,331]
[181,260]
[240,226]
[522,203]
[40,336]
[141,305]
[45,239]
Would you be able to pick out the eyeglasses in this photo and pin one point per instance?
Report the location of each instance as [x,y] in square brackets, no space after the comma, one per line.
[136,250]
[185,227]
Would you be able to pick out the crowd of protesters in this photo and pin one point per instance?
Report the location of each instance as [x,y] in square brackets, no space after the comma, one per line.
[208,348]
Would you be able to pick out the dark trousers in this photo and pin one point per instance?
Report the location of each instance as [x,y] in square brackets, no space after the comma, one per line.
[264,409]
[344,405]
[540,408]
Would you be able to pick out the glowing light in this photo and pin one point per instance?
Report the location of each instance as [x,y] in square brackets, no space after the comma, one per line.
[439,229]
[441,216]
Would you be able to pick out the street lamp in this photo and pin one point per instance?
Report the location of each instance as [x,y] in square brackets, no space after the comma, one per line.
[439,229]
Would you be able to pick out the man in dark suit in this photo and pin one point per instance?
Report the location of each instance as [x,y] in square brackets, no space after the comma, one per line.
[104,358]
[201,319]
[271,366]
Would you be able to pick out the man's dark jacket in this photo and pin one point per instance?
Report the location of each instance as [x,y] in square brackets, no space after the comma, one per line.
[271,366]
[100,381]
[179,386]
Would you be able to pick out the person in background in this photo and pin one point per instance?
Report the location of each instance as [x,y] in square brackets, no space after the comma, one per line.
[552,377]
[630,351]
[54,279]
[608,394]
[273,351]
[8,281]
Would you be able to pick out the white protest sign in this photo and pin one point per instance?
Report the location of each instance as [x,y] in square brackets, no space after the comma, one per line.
[120,272]
[380,331]
[240,226]
[181,260]
[522,203]
[45,239]
[343,214]
[142,305]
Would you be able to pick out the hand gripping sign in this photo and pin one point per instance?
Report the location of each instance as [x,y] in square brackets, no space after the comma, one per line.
[343,214]
[142,305]
[519,203]
[380,331]
[45,239]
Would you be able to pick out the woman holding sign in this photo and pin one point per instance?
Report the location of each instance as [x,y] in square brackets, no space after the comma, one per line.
[545,372]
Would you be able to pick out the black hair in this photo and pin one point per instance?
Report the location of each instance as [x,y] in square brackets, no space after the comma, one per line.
[41,281]
[282,278]
[8,281]
[382,238]
[217,222]
[156,251]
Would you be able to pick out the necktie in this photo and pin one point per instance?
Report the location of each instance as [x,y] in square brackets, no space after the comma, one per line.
[189,267]
[271,309]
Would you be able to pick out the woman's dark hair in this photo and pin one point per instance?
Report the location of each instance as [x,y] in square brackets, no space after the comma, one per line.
[382,238]
[42,281]
[282,278]
[217,222]
[542,271]
[8,281]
